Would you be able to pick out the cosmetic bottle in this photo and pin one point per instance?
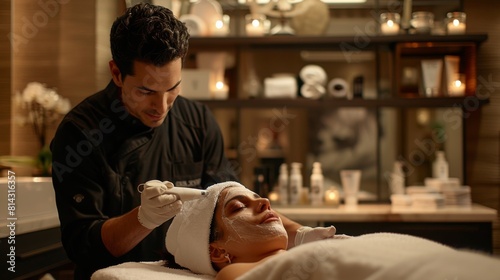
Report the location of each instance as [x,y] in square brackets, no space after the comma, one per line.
[283,184]
[397,179]
[317,184]
[440,166]
[295,183]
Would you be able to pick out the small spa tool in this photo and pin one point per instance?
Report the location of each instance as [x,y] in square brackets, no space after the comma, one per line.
[183,194]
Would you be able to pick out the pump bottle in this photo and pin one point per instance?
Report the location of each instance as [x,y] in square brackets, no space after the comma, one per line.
[317,184]
[440,166]
[397,179]
[295,184]
[283,184]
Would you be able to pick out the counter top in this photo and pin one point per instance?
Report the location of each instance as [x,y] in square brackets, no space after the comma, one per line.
[386,213]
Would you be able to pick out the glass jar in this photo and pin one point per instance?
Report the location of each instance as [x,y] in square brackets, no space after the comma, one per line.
[389,23]
[422,22]
[455,23]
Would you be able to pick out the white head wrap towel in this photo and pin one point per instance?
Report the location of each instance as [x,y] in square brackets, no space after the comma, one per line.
[188,235]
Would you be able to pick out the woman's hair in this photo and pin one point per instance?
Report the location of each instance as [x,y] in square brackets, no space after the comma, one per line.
[149,34]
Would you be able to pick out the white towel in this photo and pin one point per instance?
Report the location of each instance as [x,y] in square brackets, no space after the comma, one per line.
[188,235]
[145,270]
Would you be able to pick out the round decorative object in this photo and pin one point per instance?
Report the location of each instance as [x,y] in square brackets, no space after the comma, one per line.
[210,11]
[195,25]
[312,91]
[313,75]
[338,88]
[314,20]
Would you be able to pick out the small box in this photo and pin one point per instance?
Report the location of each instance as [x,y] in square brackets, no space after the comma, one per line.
[196,84]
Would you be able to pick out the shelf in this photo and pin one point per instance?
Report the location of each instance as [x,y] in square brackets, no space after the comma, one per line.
[313,42]
[333,103]
[244,119]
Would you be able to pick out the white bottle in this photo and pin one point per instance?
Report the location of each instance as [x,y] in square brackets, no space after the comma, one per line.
[317,184]
[283,184]
[440,166]
[397,179]
[295,184]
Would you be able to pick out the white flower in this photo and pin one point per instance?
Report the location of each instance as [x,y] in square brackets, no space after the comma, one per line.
[47,98]
[40,107]
[32,91]
[62,106]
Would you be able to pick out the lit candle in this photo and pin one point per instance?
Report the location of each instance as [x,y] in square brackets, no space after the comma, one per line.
[389,28]
[221,91]
[456,27]
[255,28]
[221,27]
[273,197]
[457,88]
[332,197]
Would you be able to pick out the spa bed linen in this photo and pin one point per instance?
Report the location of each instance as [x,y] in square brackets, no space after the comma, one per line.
[146,270]
[377,256]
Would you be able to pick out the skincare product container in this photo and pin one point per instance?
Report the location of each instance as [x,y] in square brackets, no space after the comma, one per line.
[350,183]
[295,184]
[317,184]
[397,179]
[440,166]
[283,184]
[431,72]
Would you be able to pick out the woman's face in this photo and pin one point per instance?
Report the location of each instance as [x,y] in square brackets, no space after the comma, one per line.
[248,225]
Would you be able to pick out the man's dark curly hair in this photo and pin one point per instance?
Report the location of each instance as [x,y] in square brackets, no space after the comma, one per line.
[147,33]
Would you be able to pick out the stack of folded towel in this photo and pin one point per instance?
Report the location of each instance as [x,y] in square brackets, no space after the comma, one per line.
[436,193]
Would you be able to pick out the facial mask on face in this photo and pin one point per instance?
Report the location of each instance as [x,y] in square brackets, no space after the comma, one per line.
[242,228]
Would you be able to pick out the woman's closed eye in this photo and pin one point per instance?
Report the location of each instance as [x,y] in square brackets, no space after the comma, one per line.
[236,206]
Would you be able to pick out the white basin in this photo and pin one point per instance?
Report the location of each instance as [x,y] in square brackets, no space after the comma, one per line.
[35,205]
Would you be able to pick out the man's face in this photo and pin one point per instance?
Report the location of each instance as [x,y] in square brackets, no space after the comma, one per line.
[150,93]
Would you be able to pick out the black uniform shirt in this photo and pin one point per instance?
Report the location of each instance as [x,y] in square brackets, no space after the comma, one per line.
[101,154]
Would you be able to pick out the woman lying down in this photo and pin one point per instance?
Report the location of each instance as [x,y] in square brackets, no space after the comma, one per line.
[234,233]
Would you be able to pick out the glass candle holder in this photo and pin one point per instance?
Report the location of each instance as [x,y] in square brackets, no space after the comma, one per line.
[389,23]
[332,197]
[255,25]
[457,85]
[221,27]
[456,23]
[422,22]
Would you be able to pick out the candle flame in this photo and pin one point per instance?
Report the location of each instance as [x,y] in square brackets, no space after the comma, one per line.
[256,22]
[219,85]
[456,22]
[219,24]
[390,23]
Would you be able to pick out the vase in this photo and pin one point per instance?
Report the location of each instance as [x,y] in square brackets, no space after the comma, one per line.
[43,163]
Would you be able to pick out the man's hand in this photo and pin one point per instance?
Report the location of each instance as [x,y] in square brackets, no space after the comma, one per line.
[157,207]
[309,234]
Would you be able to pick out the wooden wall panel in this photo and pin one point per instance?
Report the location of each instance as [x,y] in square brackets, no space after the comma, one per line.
[5,78]
[484,149]
[58,49]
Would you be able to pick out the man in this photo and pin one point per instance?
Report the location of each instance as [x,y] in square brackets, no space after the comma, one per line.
[130,133]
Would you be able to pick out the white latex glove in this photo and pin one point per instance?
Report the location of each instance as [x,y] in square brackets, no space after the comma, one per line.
[157,207]
[309,234]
